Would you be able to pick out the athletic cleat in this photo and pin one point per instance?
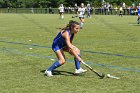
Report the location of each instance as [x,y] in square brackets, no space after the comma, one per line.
[48,73]
[78,71]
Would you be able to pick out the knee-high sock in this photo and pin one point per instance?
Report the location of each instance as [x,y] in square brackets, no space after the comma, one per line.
[77,63]
[81,24]
[62,16]
[54,66]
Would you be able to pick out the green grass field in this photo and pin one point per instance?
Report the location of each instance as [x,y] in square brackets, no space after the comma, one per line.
[109,44]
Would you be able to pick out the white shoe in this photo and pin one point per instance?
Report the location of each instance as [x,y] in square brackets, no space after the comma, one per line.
[48,73]
[78,71]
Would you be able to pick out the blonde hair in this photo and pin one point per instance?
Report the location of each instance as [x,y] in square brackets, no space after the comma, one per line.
[82,4]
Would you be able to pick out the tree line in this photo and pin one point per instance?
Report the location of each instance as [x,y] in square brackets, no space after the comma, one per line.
[56,3]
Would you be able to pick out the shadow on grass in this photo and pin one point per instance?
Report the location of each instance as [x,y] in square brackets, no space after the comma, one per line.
[65,73]
[134,24]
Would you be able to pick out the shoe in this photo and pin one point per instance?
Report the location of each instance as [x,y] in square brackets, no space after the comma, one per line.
[78,71]
[48,73]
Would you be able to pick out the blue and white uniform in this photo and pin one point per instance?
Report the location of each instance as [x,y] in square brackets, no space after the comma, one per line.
[61,8]
[59,42]
[138,10]
[88,10]
[81,12]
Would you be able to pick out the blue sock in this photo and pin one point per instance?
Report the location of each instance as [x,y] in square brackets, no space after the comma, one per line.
[54,66]
[77,63]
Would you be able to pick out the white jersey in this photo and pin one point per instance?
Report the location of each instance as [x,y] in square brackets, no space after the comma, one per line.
[121,9]
[81,11]
[61,9]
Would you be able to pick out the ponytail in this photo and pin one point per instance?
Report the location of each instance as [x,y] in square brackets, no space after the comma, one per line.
[71,24]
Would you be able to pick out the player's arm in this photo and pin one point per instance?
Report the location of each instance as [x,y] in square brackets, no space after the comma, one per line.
[78,12]
[70,46]
[72,39]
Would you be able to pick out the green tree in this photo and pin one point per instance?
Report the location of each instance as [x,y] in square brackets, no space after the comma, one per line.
[56,3]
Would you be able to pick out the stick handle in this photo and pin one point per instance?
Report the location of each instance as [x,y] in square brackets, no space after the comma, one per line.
[100,75]
[86,65]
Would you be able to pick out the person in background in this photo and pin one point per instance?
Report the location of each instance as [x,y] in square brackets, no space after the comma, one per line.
[121,11]
[124,8]
[138,20]
[61,11]
[88,10]
[81,14]
[63,43]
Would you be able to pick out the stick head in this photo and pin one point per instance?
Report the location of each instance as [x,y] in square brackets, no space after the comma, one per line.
[102,75]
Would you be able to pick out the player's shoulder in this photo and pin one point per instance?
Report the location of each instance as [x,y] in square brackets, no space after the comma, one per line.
[65,32]
[79,8]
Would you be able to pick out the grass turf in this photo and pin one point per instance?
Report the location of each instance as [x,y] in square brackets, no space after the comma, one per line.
[109,44]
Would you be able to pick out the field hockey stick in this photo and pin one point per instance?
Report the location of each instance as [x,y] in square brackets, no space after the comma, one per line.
[101,75]
[74,16]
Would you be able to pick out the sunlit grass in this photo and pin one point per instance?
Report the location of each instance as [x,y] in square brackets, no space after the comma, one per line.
[109,44]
